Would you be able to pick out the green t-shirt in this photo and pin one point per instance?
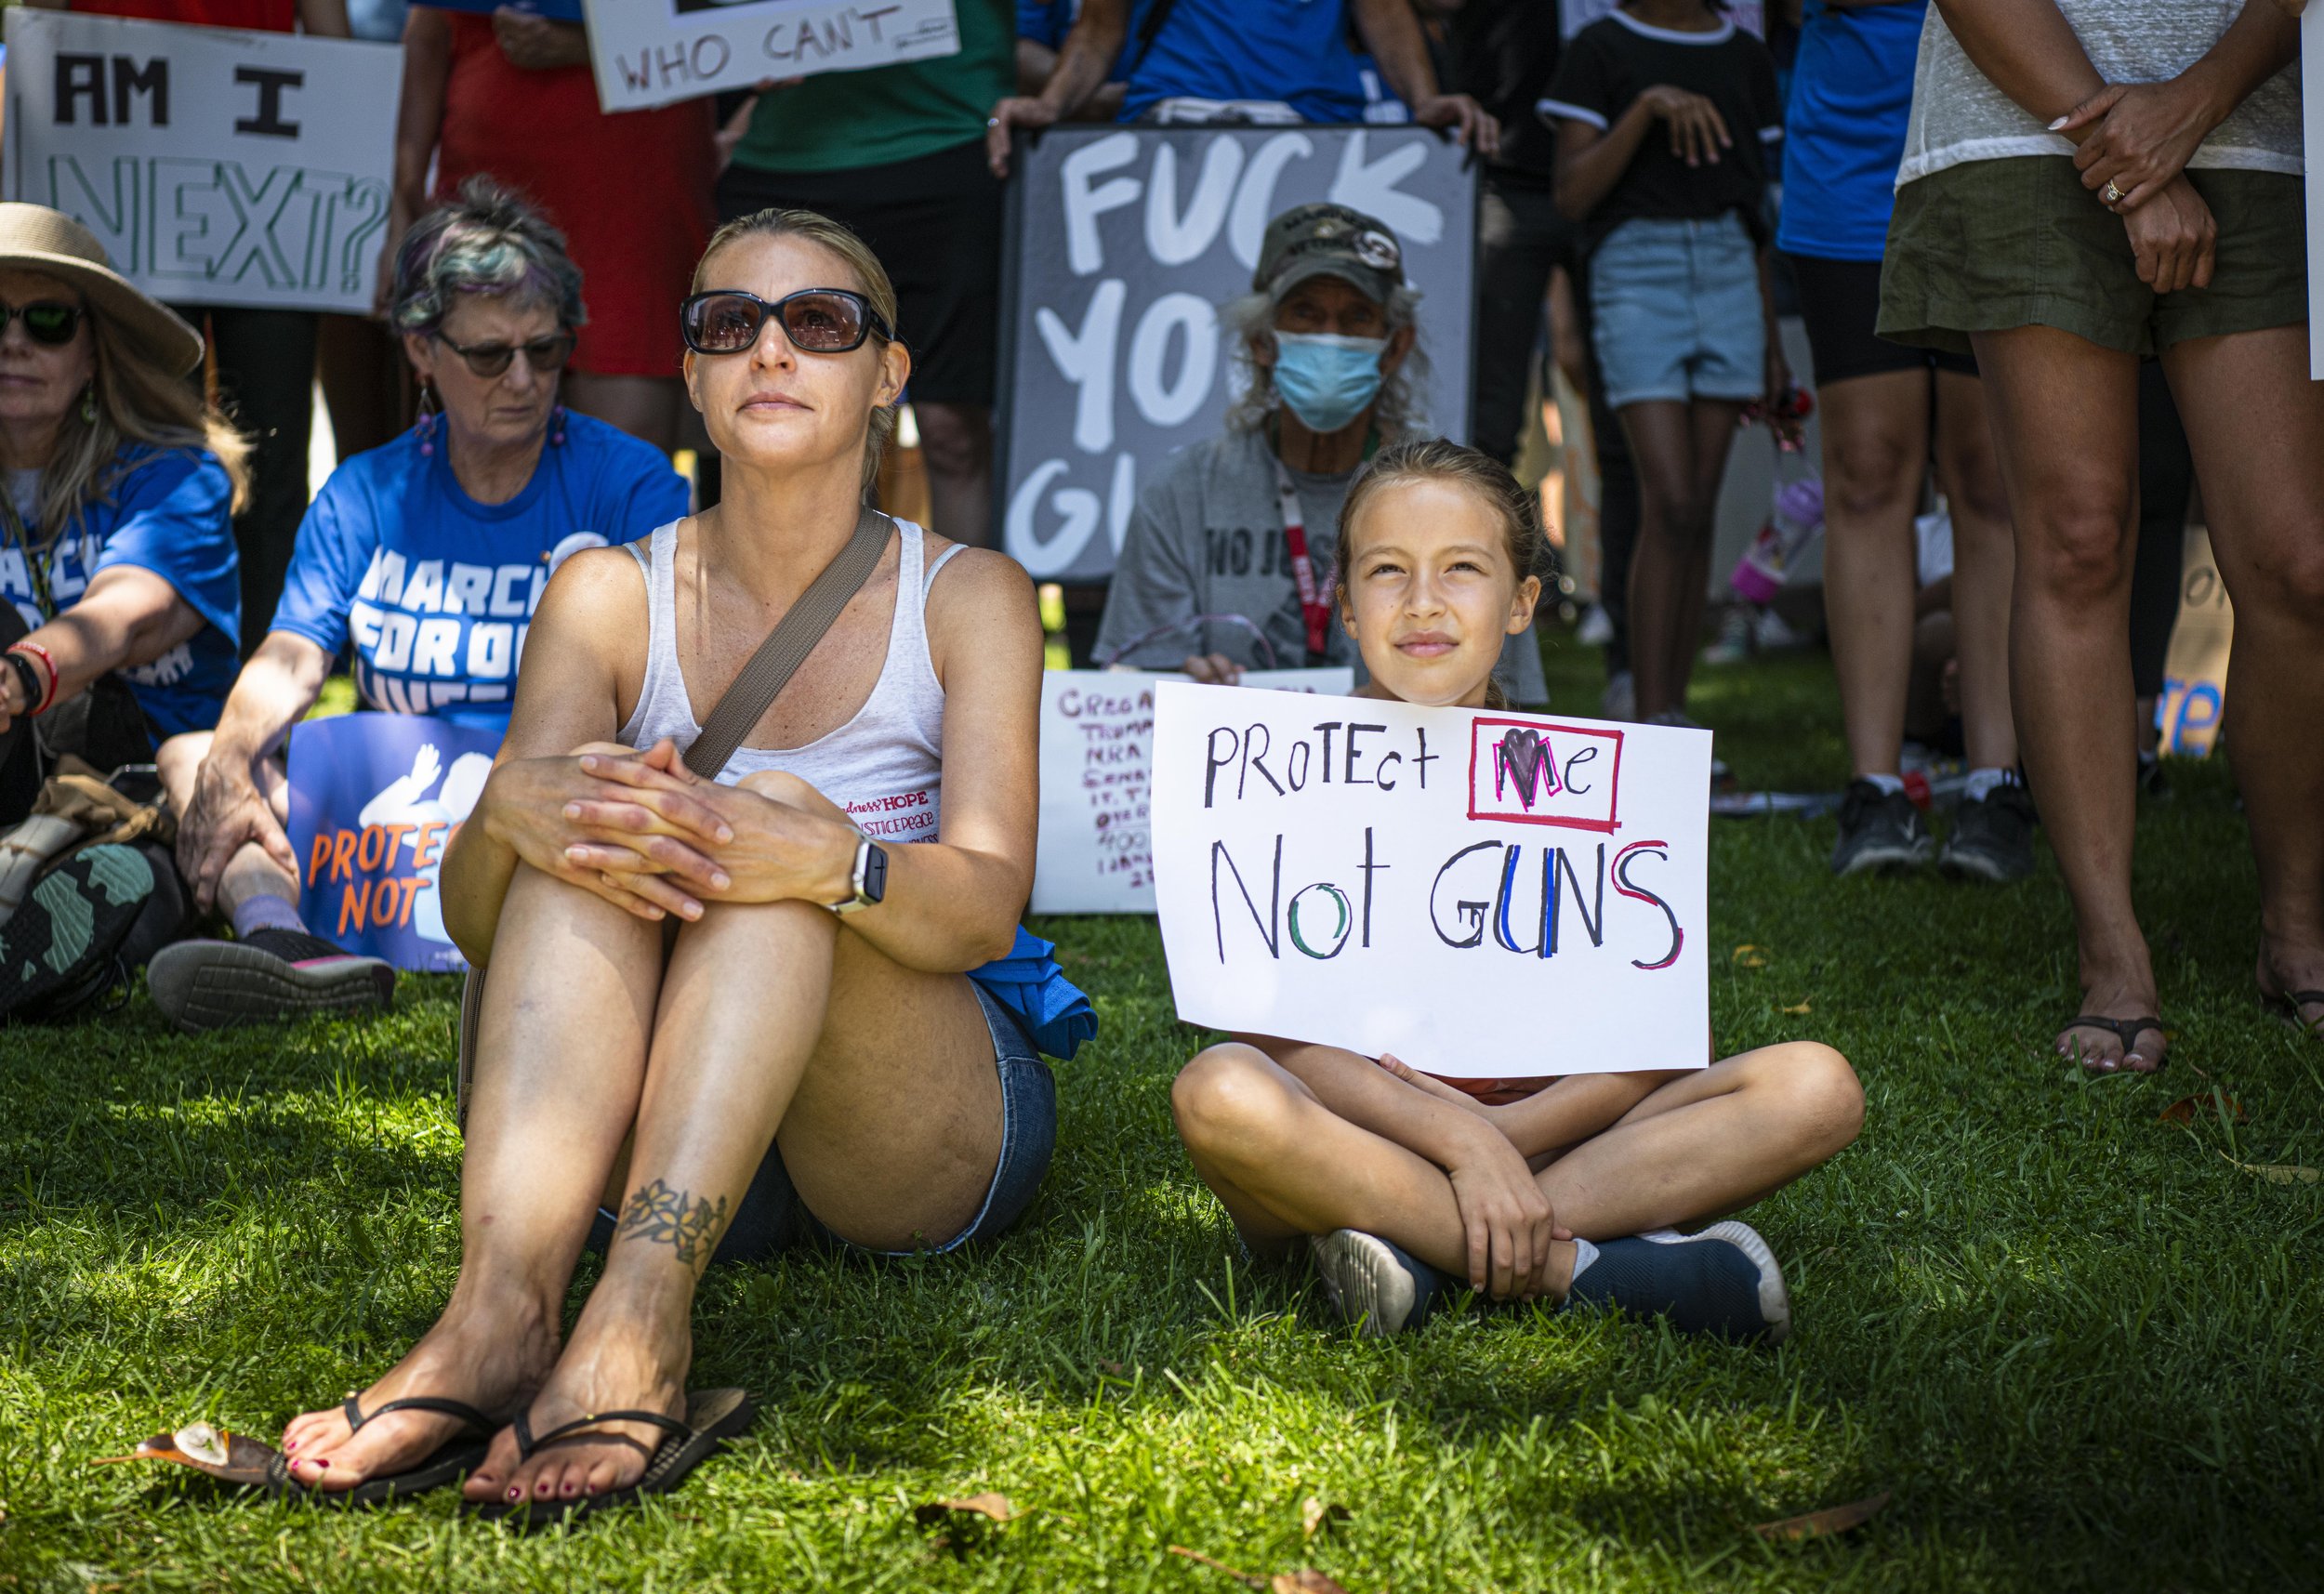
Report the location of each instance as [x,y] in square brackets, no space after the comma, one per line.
[838,121]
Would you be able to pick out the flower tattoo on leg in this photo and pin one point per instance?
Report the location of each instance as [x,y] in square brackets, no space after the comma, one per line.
[659,1215]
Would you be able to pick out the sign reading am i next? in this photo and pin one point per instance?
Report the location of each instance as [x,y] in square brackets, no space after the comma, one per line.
[216,167]
[1485,895]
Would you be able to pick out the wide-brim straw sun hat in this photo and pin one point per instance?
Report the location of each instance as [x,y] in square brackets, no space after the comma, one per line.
[34,238]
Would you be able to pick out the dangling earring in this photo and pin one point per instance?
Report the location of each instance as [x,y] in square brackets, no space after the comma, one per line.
[557,425]
[427,428]
[88,404]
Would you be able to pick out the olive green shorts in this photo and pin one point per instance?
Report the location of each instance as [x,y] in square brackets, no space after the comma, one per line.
[1988,245]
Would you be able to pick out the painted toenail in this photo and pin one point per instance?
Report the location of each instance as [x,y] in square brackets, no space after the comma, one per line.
[515,1492]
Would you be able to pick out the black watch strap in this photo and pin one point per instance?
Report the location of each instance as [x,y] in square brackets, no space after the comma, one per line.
[30,675]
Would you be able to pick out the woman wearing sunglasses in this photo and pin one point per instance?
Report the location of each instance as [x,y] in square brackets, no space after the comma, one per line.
[429,556]
[116,560]
[734,1014]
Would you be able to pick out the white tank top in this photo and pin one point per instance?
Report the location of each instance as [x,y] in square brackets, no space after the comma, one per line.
[885,766]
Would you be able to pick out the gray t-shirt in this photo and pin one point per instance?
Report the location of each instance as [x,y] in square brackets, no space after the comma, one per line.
[1207,541]
[1958,114]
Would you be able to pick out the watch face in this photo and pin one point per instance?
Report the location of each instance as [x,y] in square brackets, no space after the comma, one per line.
[875,872]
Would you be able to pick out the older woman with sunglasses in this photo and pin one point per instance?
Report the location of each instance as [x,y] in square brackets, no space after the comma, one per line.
[745,1013]
[449,534]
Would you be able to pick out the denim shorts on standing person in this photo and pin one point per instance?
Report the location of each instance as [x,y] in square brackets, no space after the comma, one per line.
[1676,312]
[772,1219]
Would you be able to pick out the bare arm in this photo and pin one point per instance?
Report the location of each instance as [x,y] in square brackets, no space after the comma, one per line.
[128,617]
[273,692]
[1090,51]
[325,18]
[2029,50]
[1590,163]
[1392,32]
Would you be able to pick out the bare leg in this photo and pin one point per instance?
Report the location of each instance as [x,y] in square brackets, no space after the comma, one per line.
[1984,562]
[2065,425]
[645,407]
[956,445]
[250,873]
[2256,423]
[1707,1144]
[1681,452]
[1875,435]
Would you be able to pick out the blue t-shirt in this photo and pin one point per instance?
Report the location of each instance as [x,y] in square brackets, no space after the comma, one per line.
[169,511]
[1292,50]
[437,590]
[1047,21]
[1851,95]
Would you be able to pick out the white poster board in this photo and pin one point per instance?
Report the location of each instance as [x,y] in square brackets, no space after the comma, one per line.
[216,167]
[657,52]
[1483,894]
[2312,119]
[1097,745]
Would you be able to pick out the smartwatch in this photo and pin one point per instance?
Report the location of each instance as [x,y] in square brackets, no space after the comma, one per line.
[870,877]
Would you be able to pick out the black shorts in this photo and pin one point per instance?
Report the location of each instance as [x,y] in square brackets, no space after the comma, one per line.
[934,221]
[1840,302]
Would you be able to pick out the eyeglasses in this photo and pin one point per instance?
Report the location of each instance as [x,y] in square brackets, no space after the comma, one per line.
[45,321]
[545,355]
[820,321]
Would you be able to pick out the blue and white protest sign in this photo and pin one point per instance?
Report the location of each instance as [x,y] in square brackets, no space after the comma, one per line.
[374,801]
[217,167]
[1487,895]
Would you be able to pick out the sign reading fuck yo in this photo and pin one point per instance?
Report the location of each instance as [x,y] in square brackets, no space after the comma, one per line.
[1482,894]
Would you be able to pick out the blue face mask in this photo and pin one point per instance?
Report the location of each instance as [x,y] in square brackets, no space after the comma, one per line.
[1326,378]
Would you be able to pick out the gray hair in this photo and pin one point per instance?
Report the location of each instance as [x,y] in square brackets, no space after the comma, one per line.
[1400,412]
[486,240]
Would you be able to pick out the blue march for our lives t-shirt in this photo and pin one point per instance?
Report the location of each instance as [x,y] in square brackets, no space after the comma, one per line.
[169,511]
[1292,50]
[1851,95]
[437,590]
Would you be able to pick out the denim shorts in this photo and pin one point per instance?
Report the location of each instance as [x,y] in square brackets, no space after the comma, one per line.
[1676,312]
[772,1219]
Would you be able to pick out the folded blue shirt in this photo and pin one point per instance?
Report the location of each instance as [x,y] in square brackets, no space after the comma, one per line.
[1029,983]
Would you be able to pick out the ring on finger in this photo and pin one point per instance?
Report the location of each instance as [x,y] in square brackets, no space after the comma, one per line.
[2111,193]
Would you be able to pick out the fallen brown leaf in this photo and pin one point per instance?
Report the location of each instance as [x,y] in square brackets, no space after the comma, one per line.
[1315,1516]
[1249,1579]
[1832,1520]
[1750,956]
[2278,1173]
[2186,1109]
[996,1507]
[1802,1009]
[1306,1580]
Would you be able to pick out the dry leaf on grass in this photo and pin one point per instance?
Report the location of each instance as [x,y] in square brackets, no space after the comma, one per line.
[2278,1173]
[1802,1009]
[996,1507]
[1249,1579]
[1315,1516]
[2186,1109]
[232,1456]
[1750,956]
[1306,1580]
[1832,1520]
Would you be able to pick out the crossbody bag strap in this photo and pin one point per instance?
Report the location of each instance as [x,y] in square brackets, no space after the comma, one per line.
[787,647]
[1148,31]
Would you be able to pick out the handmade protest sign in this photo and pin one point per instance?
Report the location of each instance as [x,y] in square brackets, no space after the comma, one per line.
[1487,895]
[1121,247]
[374,801]
[216,167]
[656,52]
[1097,744]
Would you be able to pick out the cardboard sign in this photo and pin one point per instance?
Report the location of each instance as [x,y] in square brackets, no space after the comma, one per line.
[656,52]
[1097,744]
[374,801]
[1483,894]
[1122,244]
[2194,670]
[216,167]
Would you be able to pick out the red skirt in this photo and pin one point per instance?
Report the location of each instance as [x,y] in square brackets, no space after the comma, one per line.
[631,193]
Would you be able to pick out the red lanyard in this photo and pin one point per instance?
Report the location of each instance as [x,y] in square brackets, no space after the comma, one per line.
[1313,605]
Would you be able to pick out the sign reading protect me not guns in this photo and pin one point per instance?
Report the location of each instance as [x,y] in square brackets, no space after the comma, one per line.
[1483,894]
[216,167]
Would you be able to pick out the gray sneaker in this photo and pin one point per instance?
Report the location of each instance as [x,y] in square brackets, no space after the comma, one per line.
[1377,1286]
[1992,837]
[1879,831]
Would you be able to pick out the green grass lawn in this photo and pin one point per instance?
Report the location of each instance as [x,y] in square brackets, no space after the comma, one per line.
[2078,1345]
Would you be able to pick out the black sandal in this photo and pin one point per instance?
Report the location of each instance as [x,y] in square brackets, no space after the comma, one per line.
[2291,1002]
[2124,1030]
[711,1415]
[450,1461]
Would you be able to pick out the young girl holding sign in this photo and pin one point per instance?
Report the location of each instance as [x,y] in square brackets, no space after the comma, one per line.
[1567,1189]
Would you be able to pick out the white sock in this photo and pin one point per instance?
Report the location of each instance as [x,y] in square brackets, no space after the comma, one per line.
[1981,783]
[1584,1253]
[1890,785]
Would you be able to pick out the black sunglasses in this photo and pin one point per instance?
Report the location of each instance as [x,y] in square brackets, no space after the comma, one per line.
[45,321]
[546,355]
[820,321]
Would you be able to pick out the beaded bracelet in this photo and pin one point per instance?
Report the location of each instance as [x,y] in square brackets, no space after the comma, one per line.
[34,649]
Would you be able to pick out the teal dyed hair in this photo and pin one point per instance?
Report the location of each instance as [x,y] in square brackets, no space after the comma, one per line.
[486,240]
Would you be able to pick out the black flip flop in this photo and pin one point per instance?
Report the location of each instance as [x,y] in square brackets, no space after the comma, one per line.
[2288,1004]
[450,1462]
[2124,1030]
[711,1415]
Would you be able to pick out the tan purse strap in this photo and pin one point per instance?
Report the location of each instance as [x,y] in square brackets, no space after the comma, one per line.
[787,647]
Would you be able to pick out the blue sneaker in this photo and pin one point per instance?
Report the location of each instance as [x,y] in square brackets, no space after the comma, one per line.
[1377,1286]
[1723,1281]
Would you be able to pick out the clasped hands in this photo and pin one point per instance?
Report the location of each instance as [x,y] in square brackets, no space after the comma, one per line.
[2140,137]
[1509,1226]
[651,836]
